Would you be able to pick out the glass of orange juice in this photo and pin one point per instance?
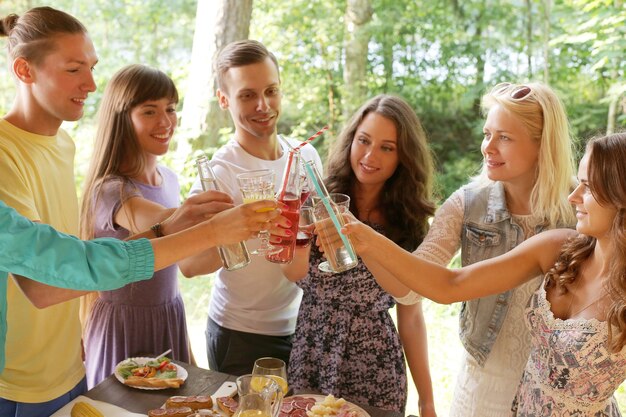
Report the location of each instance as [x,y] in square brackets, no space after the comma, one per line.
[273,368]
[254,186]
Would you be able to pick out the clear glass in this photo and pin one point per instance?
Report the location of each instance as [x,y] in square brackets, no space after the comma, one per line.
[254,186]
[305,226]
[273,368]
[234,256]
[339,253]
[259,396]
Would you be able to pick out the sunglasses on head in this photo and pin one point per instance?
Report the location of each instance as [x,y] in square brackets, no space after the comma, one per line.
[517,92]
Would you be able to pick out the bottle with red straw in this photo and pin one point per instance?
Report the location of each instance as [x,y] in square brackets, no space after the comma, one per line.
[289,195]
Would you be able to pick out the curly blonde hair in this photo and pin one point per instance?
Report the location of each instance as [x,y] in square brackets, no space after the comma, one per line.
[607,181]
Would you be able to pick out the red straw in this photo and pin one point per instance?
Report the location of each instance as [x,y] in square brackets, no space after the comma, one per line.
[319,132]
[290,160]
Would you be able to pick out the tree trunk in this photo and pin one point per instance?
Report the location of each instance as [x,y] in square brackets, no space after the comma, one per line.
[358,15]
[615,96]
[547,4]
[612,116]
[387,53]
[481,61]
[529,37]
[218,23]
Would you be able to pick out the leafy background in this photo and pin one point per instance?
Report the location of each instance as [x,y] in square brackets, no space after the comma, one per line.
[441,56]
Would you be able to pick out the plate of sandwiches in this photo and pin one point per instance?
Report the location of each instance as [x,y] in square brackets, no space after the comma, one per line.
[150,373]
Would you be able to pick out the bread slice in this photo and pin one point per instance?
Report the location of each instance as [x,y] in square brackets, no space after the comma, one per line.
[227,404]
[194,402]
[171,412]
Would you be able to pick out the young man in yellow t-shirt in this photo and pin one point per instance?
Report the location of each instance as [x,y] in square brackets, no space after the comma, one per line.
[51,58]
[43,368]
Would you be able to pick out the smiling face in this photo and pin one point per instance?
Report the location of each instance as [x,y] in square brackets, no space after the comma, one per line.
[510,154]
[593,219]
[154,122]
[374,150]
[61,83]
[252,95]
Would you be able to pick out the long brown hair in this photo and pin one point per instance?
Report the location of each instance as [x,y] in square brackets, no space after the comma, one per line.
[406,198]
[116,150]
[607,181]
[31,35]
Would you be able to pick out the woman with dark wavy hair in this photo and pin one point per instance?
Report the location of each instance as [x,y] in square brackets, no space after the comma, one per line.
[345,341]
[577,318]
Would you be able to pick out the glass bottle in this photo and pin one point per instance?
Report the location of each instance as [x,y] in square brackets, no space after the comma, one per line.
[235,255]
[289,194]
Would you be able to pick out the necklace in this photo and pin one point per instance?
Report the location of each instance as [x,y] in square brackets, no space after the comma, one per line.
[571,313]
[365,213]
[595,300]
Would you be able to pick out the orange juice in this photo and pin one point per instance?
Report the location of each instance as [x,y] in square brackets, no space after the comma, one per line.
[282,383]
[258,382]
[252,200]
[251,413]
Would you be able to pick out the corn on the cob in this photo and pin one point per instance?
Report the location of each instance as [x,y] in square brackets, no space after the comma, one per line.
[83,409]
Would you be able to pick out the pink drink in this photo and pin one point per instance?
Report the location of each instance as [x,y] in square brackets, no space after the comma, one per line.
[304,195]
[303,239]
[287,244]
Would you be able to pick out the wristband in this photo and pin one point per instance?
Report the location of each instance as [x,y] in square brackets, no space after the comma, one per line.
[157,230]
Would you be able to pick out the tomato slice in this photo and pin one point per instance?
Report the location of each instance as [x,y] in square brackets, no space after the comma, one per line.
[163,365]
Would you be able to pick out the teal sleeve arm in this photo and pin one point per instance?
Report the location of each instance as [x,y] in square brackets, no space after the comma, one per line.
[39,252]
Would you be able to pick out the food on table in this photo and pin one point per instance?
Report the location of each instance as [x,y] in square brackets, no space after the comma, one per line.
[227,404]
[171,412]
[301,406]
[194,402]
[209,413]
[309,407]
[83,409]
[159,373]
[296,406]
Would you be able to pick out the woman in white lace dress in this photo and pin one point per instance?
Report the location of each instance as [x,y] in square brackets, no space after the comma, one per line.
[577,318]
[527,173]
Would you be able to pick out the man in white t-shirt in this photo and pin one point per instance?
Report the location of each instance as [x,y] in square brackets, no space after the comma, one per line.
[253,310]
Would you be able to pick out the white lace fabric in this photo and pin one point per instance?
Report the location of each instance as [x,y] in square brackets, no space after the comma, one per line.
[486,391]
[571,370]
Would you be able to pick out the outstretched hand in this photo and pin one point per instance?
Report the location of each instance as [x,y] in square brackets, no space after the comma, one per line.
[244,222]
[362,237]
[196,209]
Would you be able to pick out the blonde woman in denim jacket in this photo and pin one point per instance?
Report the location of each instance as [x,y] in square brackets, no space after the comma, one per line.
[527,174]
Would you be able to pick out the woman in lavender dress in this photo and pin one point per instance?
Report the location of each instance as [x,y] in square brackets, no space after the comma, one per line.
[127,191]
[346,342]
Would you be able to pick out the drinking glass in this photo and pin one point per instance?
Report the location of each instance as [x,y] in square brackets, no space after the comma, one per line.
[273,368]
[337,248]
[259,185]
[305,226]
[259,396]
[305,187]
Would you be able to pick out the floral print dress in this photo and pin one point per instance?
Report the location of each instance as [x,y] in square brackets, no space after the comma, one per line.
[571,371]
[346,343]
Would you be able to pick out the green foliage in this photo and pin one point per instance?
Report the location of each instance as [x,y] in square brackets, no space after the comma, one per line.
[440,56]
